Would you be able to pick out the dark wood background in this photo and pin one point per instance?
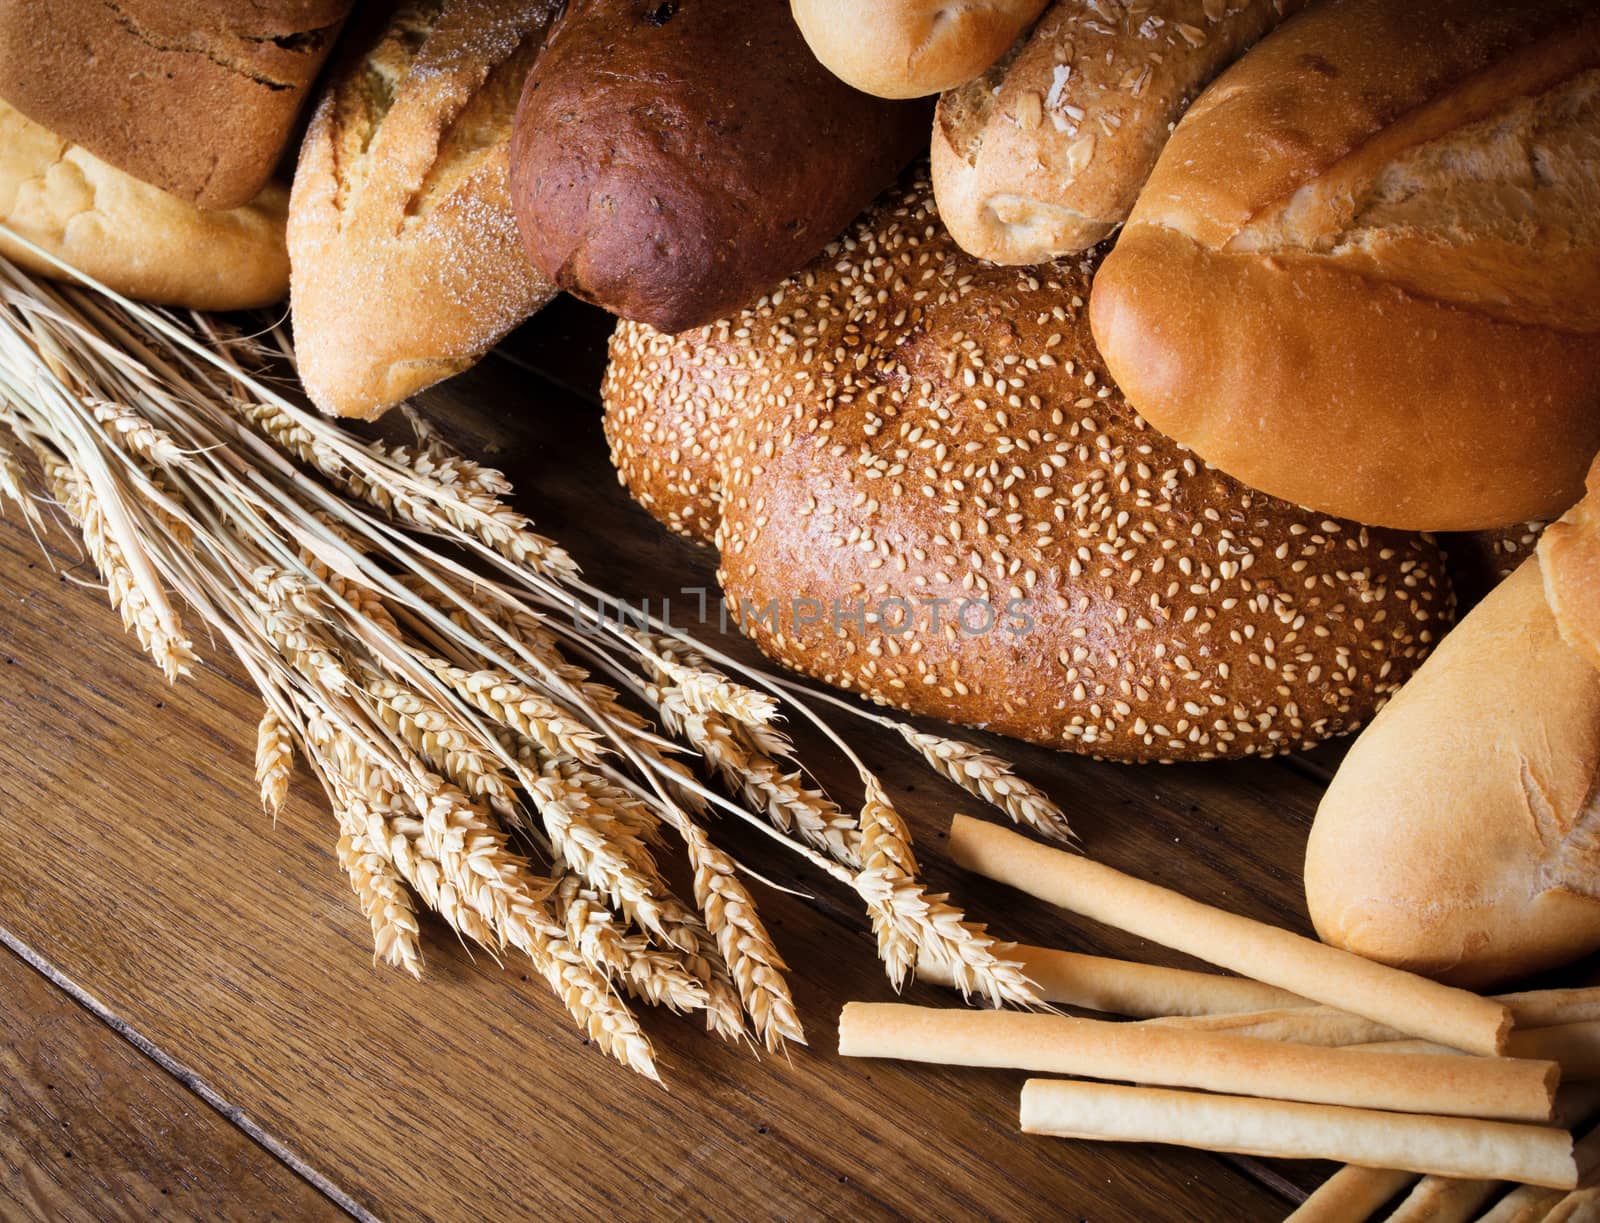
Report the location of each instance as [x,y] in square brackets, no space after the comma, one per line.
[190,1023]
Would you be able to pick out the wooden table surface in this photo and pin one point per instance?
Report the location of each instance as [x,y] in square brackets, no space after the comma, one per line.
[191,1025]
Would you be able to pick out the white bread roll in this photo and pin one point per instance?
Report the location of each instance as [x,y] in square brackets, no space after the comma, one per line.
[1461,836]
[1365,273]
[1044,155]
[134,238]
[910,48]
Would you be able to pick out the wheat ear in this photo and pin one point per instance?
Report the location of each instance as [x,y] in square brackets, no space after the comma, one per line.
[908,919]
[274,762]
[990,778]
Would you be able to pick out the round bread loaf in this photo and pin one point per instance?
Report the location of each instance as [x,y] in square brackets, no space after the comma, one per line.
[925,490]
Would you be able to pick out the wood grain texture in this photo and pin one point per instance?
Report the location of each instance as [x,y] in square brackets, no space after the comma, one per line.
[139,865]
[91,1129]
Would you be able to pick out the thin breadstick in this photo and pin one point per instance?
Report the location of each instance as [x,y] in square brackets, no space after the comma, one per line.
[1124,987]
[1443,1199]
[1308,1025]
[1449,1146]
[1524,1204]
[1138,1053]
[1439,1199]
[1579,1206]
[1415,1005]
[1351,1194]
[1545,1008]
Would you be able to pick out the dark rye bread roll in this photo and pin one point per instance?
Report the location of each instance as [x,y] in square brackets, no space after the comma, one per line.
[674,159]
[901,423]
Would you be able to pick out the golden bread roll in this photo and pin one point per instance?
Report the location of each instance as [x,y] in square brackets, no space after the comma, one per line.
[407,266]
[134,238]
[1365,273]
[901,431]
[1461,835]
[911,48]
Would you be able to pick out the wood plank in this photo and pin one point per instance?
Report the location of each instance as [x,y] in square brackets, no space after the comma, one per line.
[91,1129]
[142,868]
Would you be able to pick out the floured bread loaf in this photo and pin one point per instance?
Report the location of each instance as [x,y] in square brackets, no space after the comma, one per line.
[407,266]
[1365,273]
[135,239]
[901,430]
[1461,836]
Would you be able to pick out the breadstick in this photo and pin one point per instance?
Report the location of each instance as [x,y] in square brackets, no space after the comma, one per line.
[1443,1199]
[1123,987]
[1351,1194]
[1449,1146]
[1139,1053]
[1415,1005]
[1524,1204]
[1308,1025]
[1545,1008]
[1438,1198]
[1579,1206]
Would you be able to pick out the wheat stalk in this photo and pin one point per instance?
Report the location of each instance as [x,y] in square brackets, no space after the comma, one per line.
[415,642]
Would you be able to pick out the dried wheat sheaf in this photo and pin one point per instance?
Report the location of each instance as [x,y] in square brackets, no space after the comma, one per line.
[413,639]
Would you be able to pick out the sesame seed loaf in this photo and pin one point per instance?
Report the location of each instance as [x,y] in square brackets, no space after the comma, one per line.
[722,158]
[198,97]
[911,48]
[900,421]
[1472,803]
[134,238]
[1045,154]
[406,263]
[1365,273]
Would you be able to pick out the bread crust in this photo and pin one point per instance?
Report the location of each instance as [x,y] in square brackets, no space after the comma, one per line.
[407,265]
[1341,316]
[1047,157]
[724,156]
[911,48]
[901,421]
[133,238]
[195,97]
[1459,836]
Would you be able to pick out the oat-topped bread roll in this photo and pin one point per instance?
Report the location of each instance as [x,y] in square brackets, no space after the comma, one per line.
[1045,153]
[1461,835]
[1365,273]
[133,238]
[407,264]
[901,431]
[911,48]
[674,161]
[198,97]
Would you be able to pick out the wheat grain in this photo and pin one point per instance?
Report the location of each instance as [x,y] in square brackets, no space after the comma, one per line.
[990,778]
[173,651]
[523,710]
[383,900]
[907,919]
[274,762]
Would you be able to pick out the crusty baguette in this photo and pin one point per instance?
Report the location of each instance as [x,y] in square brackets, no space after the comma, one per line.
[407,266]
[901,440]
[198,97]
[1365,273]
[911,48]
[1045,154]
[130,236]
[1461,835]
